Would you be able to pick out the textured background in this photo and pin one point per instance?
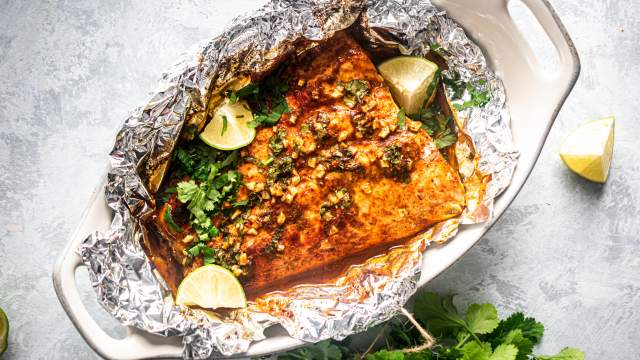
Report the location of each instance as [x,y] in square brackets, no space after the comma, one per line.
[567,251]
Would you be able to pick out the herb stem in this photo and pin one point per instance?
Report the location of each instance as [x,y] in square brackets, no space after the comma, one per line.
[463,341]
[429,341]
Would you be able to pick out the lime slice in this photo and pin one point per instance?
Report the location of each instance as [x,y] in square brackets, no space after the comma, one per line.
[4,332]
[412,81]
[228,128]
[588,150]
[211,287]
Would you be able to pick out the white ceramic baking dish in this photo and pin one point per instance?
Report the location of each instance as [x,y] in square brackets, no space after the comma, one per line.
[534,100]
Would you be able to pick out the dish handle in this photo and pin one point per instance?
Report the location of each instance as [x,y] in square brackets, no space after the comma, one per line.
[136,344]
[569,61]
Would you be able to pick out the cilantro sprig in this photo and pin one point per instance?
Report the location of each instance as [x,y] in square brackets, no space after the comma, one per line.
[266,99]
[478,334]
[467,95]
[210,182]
[438,126]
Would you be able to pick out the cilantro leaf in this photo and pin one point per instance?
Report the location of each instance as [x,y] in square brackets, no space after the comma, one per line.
[422,355]
[565,354]
[445,138]
[531,329]
[386,355]
[477,96]
[455,84]
[402,119]
[267,101]
[482,318]
[438,313]
[187,190]
[248,90]
[476,351]
[323,350]
[504,352]
[524,345]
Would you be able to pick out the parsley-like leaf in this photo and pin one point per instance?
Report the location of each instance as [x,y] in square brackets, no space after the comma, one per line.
[438,313]
[476,351]
[456,85]
[386,355]
[524,345]
[531,329]
[504,352]
[187,191]
[477,96]
[445,138]
[482,318]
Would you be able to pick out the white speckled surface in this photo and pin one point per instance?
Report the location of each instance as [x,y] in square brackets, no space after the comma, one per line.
[566,251]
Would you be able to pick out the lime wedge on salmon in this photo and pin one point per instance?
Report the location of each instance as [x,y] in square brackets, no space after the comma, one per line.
[228,129]
[412,81]
[211,287]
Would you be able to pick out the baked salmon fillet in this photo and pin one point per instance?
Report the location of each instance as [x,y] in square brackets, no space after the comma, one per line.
[342,179]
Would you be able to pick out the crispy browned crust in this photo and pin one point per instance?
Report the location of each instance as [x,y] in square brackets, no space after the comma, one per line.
[385,207]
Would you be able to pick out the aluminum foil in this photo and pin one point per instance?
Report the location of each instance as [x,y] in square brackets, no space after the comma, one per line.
[124,279]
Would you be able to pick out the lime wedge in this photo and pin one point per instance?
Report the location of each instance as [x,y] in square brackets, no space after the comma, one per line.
[211,287]
[4,332]
[588,150]
[228,128]
[412,81]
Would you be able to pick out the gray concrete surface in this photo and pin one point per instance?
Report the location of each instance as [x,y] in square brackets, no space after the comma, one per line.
[567,251]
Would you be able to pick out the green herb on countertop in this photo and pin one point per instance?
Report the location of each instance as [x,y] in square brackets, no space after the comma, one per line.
[478,334]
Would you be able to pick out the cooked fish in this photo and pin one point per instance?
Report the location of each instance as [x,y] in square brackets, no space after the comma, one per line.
[344,179]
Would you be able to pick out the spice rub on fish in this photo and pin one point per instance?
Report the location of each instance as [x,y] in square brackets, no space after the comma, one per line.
[336,177]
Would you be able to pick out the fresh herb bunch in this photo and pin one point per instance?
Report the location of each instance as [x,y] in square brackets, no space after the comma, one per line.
[266,99]
[212,185]
[479,334]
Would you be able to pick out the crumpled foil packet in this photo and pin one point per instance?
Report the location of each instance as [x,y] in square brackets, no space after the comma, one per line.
[367,294]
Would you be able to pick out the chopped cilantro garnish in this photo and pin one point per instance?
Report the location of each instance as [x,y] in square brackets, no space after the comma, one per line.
[267,100]
[456,84]
[276,142]
[478,96]
[356,90]
[439,126]
[280,169]
[204,196]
